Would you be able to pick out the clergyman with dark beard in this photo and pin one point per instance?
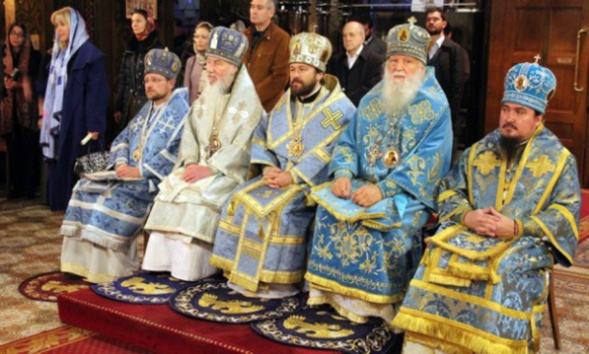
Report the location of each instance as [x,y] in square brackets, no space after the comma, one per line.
[508,210]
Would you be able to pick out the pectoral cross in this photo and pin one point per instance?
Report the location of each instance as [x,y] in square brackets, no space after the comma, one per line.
[331,118]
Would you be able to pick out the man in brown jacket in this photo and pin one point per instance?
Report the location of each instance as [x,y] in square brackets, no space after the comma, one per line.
[267,56]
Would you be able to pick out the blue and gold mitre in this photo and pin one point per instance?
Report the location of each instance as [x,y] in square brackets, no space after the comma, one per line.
[408,39]
[530,85]
[163,62]
[310,48]
[227,44]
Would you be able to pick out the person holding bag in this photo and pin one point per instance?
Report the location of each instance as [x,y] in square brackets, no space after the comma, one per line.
[75,104]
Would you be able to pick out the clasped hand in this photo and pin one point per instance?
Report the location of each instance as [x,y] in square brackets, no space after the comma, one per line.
[125,171]
[365,196]
[274,177]
[489,222]
[194,172]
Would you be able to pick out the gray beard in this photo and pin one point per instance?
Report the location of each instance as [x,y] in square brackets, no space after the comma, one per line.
[396,96]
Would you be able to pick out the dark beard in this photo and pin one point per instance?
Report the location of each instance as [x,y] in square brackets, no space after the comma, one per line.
[510,145]
[434,32]
[304,90]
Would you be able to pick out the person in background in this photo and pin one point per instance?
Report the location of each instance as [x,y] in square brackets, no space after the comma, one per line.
[130,95]
[372,42]
[19,111]
[447,58]
[196,65]
[267,56]
[76,99]
[358,68]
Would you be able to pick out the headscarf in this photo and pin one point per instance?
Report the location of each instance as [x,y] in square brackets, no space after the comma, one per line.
[149,27]
[17,96]
[57,82]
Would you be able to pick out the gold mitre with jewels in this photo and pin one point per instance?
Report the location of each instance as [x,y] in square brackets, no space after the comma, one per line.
[311,49]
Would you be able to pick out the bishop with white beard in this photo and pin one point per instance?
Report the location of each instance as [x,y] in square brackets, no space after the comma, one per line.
[214,159]
[385,169]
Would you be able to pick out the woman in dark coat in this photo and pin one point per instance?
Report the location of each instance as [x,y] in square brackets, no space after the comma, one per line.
[130,96]
[75,103]
[19,111]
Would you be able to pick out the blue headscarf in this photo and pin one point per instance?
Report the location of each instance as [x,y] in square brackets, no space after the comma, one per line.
[57,81]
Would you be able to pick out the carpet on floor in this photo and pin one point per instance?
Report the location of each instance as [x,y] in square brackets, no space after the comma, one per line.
[69,340]
[47,286]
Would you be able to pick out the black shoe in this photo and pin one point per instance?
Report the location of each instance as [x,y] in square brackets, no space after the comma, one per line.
[72,276]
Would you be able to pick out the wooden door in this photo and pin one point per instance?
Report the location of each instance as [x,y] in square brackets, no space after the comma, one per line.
[554,29]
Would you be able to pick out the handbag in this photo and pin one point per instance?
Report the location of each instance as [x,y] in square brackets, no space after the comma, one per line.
[91,162]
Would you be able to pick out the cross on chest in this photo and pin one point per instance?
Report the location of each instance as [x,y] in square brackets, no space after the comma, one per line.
[331,118]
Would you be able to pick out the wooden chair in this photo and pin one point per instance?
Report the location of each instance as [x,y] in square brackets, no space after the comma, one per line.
[552,311]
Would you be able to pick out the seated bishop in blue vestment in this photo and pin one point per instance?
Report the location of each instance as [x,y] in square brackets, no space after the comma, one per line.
[261,241]
[107,209]
[509,210]
[386,166]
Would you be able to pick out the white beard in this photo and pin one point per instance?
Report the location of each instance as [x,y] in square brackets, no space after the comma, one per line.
[395,96]
[212,94]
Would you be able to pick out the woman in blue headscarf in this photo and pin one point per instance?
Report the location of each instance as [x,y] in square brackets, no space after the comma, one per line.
[75,103]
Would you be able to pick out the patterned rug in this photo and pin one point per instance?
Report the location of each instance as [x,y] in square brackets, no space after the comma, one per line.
[215,301]
[69,340]
[142,288]
[322,328]
[47,286]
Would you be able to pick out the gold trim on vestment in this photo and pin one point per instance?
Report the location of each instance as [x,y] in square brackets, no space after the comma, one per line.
[478,341]
[553,240]
[361,216]
[335,287]
[471,157]
[262,211]
[446,194]
[266,276]
[442,237]
[569,216]
[453,212]
[520,168]
[493,306]
[274,143]
[555,177]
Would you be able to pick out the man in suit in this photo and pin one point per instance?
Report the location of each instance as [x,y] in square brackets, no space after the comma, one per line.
[267,56]
[372,41]
[358,69]
[447,59]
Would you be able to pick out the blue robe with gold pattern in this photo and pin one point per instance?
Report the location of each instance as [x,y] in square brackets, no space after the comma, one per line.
[112,213]
[262,233]
[372,256]
[484,294]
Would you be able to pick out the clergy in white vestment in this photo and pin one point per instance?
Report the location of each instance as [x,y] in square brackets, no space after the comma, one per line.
[107,209]
[214,159]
